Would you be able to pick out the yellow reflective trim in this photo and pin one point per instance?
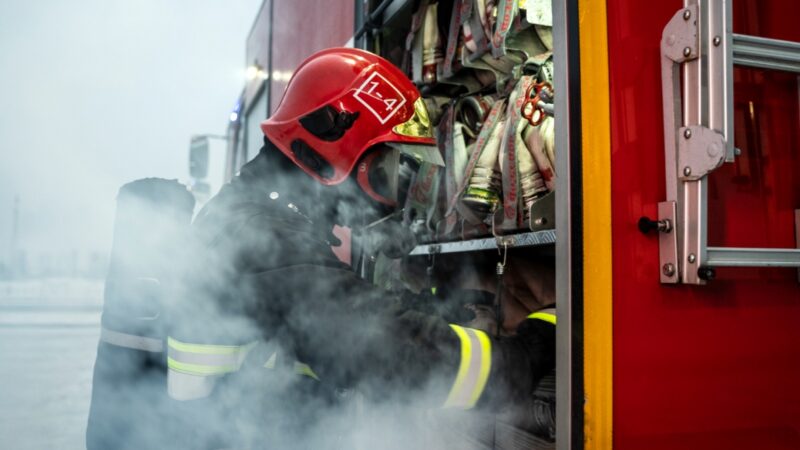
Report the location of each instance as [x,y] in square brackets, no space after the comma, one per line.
[419,125]
[206,349]
[597,314]
[463,367]
[304,369]
[270,364]
[199,369]
[486,366]
[547,317]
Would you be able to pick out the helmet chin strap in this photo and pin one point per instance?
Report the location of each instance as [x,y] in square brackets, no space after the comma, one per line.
[362,177]
[389,216]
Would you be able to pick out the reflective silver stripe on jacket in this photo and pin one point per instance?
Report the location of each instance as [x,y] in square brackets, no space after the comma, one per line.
[131,341]
[473,370]
[183,386]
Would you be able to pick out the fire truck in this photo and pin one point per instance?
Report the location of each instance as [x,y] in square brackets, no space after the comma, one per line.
[672,223]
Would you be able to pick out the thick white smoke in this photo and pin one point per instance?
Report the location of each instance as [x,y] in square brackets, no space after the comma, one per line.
[225,281]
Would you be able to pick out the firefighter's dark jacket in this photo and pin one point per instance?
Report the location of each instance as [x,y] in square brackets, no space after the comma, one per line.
[262,271]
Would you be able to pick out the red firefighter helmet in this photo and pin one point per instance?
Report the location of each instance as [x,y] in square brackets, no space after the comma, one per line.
[339,103]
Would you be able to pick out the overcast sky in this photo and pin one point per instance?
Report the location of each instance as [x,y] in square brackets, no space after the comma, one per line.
[96,93]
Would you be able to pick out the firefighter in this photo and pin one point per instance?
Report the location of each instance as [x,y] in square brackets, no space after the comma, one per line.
[272,328]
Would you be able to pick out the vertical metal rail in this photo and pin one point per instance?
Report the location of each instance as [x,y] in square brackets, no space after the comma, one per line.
[569,333]
[679,45]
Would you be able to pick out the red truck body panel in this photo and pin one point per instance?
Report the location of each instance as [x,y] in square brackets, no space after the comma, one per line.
[303,27]
[713,366]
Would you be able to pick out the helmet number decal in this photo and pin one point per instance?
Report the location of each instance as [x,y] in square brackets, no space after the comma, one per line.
[380,97]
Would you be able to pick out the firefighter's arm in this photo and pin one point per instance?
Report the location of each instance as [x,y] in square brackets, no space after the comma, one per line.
[494,371]
[510,366]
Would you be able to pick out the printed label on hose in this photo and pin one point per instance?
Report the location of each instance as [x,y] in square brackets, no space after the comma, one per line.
[416,23]
[423,192]
[444,138]
[512,219]
[509,10]
[452,40]
[474,37]
[466,13]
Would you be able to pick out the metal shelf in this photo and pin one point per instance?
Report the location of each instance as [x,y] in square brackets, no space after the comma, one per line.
[530,239]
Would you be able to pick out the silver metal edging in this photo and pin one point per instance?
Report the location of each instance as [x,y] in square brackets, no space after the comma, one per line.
[774,54]
[752,257]
[531,239]
[564,376]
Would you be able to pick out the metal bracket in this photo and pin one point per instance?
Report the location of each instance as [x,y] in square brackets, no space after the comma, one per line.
[668,244]
[680,40]
[542,214]
[700,151]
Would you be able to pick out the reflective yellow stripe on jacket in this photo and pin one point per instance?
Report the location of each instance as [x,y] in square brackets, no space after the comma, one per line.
[305,370]
[548,315]
[194,368]
[473,370]
[205,359]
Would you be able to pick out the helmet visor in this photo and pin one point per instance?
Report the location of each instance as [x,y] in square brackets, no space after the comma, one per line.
[388,172]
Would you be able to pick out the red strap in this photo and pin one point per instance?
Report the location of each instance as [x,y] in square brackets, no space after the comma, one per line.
[363,180]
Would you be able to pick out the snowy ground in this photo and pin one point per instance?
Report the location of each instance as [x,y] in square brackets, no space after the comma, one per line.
[48,339]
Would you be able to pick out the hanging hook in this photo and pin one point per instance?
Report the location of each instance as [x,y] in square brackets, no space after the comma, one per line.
[430,272]
[498,297]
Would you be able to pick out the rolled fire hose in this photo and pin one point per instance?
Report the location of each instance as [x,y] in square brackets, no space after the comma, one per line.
[431,44]
[485,183]
[531,181]
[534,142]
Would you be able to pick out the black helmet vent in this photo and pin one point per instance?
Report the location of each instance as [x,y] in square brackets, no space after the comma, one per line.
[327,123]
[311,159]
